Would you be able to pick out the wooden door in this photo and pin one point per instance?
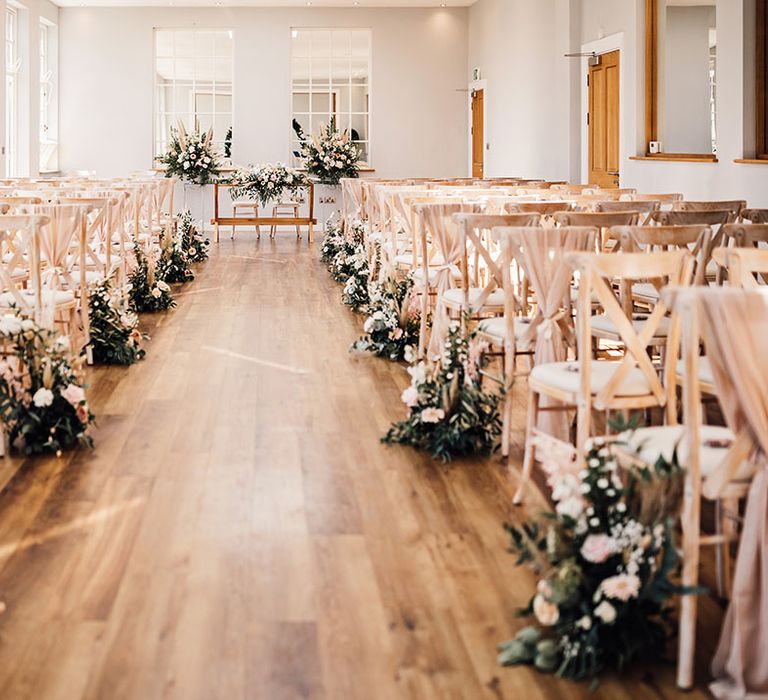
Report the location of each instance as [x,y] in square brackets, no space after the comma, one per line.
[478,133]
[604,121]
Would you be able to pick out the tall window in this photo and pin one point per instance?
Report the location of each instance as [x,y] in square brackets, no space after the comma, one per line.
[49,141]
[12,67]
[761,67]
[193,82]
[330,73]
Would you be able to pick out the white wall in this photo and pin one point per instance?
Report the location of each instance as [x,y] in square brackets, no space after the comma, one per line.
[535,96]
[518,44]
[30,14]
[418,111]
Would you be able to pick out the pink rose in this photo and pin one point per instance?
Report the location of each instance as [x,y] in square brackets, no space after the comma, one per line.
[82,414]
[410,397]
[597,548]
[74,394]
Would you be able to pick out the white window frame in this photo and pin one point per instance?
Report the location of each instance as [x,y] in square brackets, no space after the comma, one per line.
[49,103]
[12,71]
[324,83]
[173,111]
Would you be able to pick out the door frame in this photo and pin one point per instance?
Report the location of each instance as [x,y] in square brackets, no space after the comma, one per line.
[614,42]
[477,85]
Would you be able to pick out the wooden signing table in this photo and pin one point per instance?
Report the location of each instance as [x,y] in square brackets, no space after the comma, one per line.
[308,221]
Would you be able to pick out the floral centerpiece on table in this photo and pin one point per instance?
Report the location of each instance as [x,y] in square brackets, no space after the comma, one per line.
[450,414]
[115,335]
[605,557]
[191,157]
[148,292]
[194,243]
[267,182]
[392,326]
[331,155]
[42,401]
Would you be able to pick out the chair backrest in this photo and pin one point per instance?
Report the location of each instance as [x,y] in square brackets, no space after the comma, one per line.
[734,206]
[597,276]
[62,245]
[755,216]
[747,267]
[745,235]
[690,217]
[603,221]
[20,236]
[664,198]
[640,206]
[697,240]
[548,209]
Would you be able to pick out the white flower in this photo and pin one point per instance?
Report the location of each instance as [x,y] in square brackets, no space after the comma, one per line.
[61,344]
[584,622]
[621,587]
[368,325]
[156,293]
[571,507]
[10,325]
[602,483]
[597,548]
[410,397]
[606,612]
[546,613]
[43,397]
[418,373]
[163,287]
[621,507]
[27,324]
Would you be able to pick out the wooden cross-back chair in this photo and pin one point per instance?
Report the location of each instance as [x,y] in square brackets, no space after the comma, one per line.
[20,236]
[755,216]
[716,467]
[588,385]
[743,235]
[733,206]
[747,266]
[642,207]
[540,253]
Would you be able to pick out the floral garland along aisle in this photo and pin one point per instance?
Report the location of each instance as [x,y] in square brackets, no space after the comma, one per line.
[450,414]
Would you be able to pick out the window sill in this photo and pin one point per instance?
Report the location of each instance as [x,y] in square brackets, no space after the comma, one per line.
[679,157]
[751,161]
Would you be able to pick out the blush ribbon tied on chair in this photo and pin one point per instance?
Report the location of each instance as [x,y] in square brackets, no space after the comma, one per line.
[735,330]
[541,253]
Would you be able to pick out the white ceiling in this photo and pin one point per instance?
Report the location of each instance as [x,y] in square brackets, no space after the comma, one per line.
[264,3]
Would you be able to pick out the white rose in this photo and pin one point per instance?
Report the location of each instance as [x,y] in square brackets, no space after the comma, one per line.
[10,325]
[156,293]
[162,286]
[42,398]
[606,612]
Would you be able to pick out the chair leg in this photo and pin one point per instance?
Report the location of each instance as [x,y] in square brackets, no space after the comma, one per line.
[688,603]
[727,511]
[583,420]
[530,448]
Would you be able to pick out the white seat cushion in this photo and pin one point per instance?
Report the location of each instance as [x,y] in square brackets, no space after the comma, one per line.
[59,297]
[496,327]
[661,441]
[606,325]
[245,203]
[565,376]
[455,297]
[705,370]
[645,290]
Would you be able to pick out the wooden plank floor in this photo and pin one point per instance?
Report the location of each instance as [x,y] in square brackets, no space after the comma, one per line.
[239,532]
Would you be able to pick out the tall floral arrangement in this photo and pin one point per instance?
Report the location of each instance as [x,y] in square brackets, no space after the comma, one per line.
[42,400]
[331,155]
[267,182]
[194,243]
[449,412]
[148,292]
[391,329]
[114,331]
[605,558]
[192,157]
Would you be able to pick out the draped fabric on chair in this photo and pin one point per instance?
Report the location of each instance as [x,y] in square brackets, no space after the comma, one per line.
[439,223]
[541,253]
[735,330]
[351,199]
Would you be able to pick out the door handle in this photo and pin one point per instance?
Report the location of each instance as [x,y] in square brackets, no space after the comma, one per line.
[611,172]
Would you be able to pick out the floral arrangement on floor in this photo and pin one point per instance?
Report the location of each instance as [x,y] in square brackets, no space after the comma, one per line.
[348,255]
[333,241]
[148,293]
[450,414]
[173,266]
[42,400]
[605,556]
[267,182]
[191,157]
[193,241]
[355,294]
[115,335]
[331,155]
[392,326]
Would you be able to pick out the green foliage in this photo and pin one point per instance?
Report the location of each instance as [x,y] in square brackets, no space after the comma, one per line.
[115,335]
[193,242]
[450,414]
[228,143]
[42,401]
[331,155]
[191,157]
[267,182]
